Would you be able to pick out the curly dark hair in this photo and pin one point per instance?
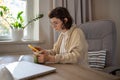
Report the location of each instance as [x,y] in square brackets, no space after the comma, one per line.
[62,13]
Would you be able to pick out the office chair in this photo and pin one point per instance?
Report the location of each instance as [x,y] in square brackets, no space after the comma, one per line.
[101,35]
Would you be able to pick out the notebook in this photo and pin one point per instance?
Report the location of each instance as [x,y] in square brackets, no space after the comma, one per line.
[22,70]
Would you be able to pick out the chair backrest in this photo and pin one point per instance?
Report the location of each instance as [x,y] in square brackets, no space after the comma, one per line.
[101,34]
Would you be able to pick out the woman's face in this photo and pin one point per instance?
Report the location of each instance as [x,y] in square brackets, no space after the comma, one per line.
[56,24]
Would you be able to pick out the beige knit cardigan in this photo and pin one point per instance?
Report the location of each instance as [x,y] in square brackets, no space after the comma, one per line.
[76,47]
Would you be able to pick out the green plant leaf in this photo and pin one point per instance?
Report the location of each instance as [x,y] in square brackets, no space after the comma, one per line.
[21,19]
[5,8]
[19,14]
[19,25]
[36,18]
[1,13]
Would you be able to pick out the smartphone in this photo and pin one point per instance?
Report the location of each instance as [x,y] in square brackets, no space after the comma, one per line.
[33,48]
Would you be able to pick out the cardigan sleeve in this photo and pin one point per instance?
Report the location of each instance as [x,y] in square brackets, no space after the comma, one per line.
[56,46]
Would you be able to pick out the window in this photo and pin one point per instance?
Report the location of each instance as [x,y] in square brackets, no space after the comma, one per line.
[30,8]
[14,6]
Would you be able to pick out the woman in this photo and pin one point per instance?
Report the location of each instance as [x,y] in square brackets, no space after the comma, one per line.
[71,46]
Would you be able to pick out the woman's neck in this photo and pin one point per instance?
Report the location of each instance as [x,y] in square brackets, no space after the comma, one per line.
[64,30]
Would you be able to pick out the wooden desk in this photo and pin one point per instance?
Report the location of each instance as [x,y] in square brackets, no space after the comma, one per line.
[75,72]
[67,72]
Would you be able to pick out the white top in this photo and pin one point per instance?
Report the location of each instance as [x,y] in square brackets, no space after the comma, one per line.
[62,47]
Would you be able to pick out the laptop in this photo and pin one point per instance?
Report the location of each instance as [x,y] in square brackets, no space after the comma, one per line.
[22,70]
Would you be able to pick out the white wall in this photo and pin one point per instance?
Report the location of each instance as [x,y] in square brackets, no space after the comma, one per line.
[108,9]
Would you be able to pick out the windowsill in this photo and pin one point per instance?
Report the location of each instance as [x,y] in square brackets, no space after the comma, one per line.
[21,42]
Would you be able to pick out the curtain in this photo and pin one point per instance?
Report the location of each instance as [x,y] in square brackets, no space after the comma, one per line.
[80,11]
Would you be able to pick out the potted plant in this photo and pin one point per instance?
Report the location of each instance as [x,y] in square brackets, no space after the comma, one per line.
[16,23]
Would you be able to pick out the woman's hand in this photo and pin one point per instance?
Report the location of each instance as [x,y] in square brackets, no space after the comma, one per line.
[42,56]
[45,57]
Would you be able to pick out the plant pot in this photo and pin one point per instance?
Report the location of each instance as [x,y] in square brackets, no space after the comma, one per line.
[17,34]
